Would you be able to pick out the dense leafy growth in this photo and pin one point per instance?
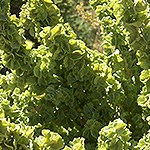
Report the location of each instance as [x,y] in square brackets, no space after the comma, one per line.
[56,93]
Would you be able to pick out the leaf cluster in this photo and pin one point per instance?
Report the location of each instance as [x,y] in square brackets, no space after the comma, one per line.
[59,94]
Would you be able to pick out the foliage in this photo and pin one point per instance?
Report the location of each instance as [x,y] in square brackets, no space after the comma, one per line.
[123,23]
[59,94]
[82,19]
[115,136]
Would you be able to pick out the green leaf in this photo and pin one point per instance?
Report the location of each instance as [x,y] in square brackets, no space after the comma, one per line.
[37,71]
[142,100]
[78,144]
[140,5]
[48,1]
[29,44]
[2,113]
[45,132]
[55,31]
[145,75]
[32,80]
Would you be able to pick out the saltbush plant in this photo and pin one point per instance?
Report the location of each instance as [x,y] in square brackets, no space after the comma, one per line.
[56,93]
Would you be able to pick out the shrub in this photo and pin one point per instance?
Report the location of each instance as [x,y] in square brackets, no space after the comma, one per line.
[59,94]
